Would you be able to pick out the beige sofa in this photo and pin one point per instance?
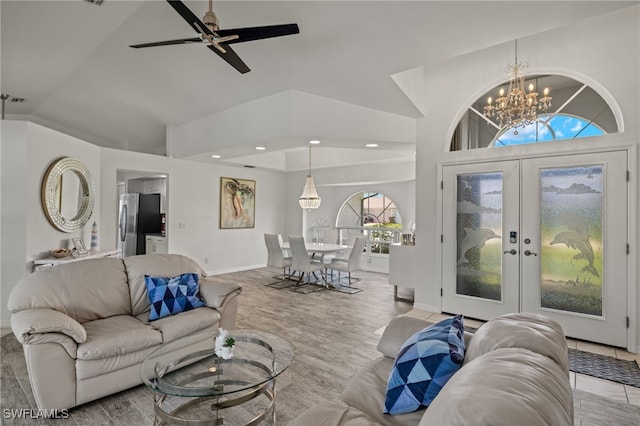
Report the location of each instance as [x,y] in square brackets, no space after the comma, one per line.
[515,372]
[85,330]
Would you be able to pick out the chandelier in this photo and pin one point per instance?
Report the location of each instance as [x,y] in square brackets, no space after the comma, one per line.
[517,108]
[309,198]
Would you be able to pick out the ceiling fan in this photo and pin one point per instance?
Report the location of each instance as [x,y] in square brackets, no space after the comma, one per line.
[218,40]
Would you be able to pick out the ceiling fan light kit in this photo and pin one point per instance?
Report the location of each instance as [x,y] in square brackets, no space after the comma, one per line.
[218,40]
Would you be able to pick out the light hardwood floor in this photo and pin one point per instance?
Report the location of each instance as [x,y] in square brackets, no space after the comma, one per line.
[333,334]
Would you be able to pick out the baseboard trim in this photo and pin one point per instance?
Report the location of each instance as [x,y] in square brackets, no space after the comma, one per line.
[230,270]
[425,307]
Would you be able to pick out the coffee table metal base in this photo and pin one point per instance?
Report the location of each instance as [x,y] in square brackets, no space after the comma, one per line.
[173,417]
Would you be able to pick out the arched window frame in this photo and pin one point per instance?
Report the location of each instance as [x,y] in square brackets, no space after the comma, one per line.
[572,97]
[378,239]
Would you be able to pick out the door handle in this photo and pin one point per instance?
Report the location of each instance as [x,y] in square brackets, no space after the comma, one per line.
[529,253]
[512,251]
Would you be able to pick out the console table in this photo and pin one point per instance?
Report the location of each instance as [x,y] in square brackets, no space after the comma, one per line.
[47,262]
[401,268]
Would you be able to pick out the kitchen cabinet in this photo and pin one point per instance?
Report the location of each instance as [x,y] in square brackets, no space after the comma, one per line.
[156,244]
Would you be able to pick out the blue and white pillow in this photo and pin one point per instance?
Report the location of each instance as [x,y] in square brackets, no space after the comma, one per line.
[169,296]
[424,364]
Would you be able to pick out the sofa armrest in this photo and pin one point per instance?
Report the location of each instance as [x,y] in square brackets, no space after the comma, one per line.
[397,331]
[29,324]
[215,293]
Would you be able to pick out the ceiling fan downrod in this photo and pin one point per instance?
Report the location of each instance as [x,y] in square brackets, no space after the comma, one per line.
[210,19]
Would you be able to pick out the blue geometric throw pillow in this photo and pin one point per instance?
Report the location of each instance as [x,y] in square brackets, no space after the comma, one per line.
[423,365]
[170,296]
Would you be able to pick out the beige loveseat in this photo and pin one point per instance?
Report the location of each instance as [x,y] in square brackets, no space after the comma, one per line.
[515,372]
[85,330]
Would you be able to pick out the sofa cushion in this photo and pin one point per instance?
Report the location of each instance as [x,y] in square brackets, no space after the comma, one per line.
[176,326]
[117,335]
[505,387]
[425,362]
[535,332]
[366,392]
[99,367]
[169,296]
[161,265]
[85,291]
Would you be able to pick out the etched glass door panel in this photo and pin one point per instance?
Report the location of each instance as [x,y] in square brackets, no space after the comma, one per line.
[478,235]
[571,213]
[574,246]
[481,271]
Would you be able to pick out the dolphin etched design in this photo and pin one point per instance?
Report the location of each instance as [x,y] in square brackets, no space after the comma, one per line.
[579,242]
[474,238]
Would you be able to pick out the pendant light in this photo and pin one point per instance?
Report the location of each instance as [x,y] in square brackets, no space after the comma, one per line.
[309,198]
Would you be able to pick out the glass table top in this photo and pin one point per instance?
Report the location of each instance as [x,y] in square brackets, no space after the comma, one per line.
[258,357]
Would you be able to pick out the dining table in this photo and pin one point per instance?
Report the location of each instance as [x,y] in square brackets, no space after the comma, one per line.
[318,248]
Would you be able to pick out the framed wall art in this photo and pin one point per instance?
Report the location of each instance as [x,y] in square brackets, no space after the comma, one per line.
[78,243]
[237,203]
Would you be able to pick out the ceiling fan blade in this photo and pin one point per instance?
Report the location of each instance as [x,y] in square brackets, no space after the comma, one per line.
[169,42]
[188,16]
[259,33]
[232,58]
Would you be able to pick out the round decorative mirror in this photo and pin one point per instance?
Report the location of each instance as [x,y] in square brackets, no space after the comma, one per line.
[68,194]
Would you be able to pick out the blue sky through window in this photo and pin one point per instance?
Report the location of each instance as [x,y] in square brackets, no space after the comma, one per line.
[560,127]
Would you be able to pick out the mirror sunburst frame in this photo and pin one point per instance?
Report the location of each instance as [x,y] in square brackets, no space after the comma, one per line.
[51,194]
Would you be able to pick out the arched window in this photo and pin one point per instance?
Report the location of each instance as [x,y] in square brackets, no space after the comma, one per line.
[373,214]
[577,111]
[549,128]
[366,208]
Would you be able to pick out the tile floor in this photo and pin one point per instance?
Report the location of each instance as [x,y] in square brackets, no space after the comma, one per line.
[605,388]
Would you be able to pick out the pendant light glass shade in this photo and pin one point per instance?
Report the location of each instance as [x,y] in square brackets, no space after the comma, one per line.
[309,198]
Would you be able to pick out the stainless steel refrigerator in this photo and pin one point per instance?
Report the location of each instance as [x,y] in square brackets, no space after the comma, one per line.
[139,214]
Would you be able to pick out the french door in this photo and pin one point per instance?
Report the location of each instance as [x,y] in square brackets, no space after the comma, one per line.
[545,235]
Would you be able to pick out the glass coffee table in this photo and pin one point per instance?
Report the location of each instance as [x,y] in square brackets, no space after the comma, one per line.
[196,387]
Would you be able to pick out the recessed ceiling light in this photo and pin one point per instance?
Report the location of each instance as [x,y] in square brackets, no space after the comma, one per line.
[260,148]
[215,156]
[314,142]
[371,145]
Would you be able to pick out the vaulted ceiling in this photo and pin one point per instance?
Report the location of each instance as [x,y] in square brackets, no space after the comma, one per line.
[72,64]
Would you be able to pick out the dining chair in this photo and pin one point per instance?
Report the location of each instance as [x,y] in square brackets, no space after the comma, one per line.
[302,263]
[343,255]
[276,258]
[351,264]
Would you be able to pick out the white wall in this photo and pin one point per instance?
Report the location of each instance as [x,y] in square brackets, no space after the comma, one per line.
[27,151]
[603,52]
[13,220]
[193,194]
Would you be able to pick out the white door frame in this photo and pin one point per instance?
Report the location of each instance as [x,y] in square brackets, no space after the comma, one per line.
[632,212]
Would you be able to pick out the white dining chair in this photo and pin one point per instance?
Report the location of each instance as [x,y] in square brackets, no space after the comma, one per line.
[348,265]
[302,263]
[343,254]
[276,258]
